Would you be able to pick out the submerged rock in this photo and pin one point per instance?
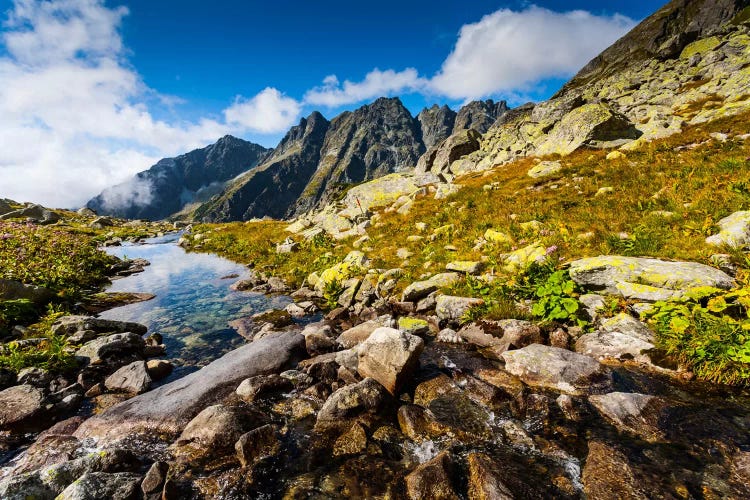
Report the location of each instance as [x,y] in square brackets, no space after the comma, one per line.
[432,480]
[558,369]
[485,482]
[256,444]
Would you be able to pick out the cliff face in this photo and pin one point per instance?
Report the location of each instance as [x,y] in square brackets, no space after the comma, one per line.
[436,124]
[375,140]
[172,183]
[274,186]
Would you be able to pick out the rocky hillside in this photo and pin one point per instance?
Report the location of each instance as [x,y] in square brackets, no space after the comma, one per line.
[318,159]
[171,184]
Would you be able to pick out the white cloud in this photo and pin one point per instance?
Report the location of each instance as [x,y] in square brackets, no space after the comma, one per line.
[510,51]
[76,117]
[269,111]
[377,83]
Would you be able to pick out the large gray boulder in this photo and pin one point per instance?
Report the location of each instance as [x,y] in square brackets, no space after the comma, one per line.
[170,407]
[451,308]
[454,147]
[645,279]
[589,124]
[557,369]
[421,289]
[389,356]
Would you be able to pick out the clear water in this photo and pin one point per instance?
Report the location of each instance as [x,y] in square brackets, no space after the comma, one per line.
[193,303]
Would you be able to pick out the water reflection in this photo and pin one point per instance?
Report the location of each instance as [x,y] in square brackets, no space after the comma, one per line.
[193,303]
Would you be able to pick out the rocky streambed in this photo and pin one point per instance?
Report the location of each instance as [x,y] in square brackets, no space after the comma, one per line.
[377,401]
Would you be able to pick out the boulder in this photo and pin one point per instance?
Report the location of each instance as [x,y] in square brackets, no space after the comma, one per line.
[255,388]
[390,357]
[357,334]
[557,369]
[485,482]
[465,267]
[158,368]
[378,193]
[117,346]
[69,325]
[256,444]
[153,483]
[217,428]
[14,290]
[638,414]
[432,480]
[451,308]
[519,260]
[497,237]
[451,149]
[99,485]
[591,124]
[133,378]
[544,168]
[645,279]
[413,326]
[734,231]
[363,398]
[168,409]
[421,289]
[622,337]
[20,407]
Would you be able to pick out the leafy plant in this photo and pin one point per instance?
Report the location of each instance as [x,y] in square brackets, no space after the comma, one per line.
[557,300]
[331,293]
[709,332]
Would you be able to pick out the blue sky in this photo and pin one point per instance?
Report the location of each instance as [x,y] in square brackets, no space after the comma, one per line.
[96,90]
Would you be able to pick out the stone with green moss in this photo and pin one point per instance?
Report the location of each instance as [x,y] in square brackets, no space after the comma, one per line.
[519,260]
[413,326]
[734,231]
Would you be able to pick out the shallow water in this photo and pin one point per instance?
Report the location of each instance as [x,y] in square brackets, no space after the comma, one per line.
[193,303]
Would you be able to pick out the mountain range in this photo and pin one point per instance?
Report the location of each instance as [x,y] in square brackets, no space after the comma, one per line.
[237,180]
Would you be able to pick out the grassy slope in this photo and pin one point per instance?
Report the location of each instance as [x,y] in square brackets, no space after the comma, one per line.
[700,186]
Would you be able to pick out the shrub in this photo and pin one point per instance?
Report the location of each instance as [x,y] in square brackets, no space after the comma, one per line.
[709,332]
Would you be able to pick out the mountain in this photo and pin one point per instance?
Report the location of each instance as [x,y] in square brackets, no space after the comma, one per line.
[171,184]
[663,35]
[317,159]
[275,185]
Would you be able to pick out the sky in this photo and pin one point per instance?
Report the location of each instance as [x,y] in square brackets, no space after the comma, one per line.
[93,91]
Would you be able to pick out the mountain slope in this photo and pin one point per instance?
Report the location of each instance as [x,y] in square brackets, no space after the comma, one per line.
[172,183]
[274,186]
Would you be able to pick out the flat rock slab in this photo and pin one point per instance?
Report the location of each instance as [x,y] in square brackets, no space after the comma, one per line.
[558,369]
[169,408]
[19,405]
[645,279]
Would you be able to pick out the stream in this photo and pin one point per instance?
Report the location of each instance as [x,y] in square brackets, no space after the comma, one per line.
[193,301]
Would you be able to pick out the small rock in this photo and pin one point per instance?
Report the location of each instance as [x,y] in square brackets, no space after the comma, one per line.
[153,483]
[638,414]
[452,309]
[413,326]
[352,442]
[133,378]
[604,191]
[158,368]
[432,480]
[261,386]
[256,444]
[466,267]
[353,400]
[214,429]
[543,169]
[616,155]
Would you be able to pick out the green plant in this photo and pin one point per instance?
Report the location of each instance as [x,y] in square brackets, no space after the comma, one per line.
[331,293]
[557,300]
[14,312]
[708,331]
[51,354]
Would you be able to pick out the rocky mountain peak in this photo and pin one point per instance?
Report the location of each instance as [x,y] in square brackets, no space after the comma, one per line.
[437,123]
[479,115]
[662,35]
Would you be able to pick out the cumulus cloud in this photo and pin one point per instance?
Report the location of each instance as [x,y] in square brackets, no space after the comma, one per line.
[509,51]
[76,117]
[376,83]
[269,111]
